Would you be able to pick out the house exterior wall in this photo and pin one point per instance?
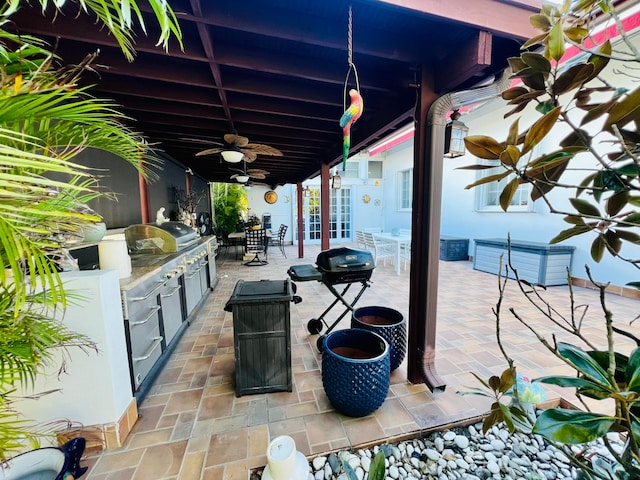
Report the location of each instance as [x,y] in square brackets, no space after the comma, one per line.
[461,217]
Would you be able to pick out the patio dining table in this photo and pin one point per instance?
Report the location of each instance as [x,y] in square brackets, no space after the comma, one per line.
[242,236]
[398,240]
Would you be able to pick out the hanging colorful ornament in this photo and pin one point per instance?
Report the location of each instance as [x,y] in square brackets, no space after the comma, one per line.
[354,111]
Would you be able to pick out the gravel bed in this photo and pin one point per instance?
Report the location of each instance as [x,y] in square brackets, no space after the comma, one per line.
[460,453]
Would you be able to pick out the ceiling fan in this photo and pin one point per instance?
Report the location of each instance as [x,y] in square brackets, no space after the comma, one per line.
[237,148]
[244,175]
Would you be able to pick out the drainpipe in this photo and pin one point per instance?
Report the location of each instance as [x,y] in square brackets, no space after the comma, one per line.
[425,279]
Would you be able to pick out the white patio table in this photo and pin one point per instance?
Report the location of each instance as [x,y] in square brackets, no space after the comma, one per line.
[397,240]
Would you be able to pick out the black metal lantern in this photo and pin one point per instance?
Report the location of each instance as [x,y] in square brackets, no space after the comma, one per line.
[336,182]
[454,133]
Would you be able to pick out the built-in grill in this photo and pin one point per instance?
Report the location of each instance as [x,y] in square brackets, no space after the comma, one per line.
[345,265]
[153,238]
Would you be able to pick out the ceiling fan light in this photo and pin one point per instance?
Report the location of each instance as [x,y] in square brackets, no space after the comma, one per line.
[232,156]
[242,178]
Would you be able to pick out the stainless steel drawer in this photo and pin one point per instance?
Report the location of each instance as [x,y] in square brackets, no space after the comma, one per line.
[172,315]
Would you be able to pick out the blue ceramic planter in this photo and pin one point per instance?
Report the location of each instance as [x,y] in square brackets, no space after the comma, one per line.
[355,371]
[389,324]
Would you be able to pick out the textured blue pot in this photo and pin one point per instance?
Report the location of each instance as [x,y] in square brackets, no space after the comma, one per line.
[355,371]
[390,324]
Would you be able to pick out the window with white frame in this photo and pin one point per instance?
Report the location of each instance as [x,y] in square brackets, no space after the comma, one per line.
[488,194]
[374,169]
[405,189]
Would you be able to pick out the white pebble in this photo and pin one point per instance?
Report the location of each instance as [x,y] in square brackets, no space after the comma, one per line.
[449,436]
[318,463]
[493,467]
[432,454]
[461,441]
[393,471]
[366,463]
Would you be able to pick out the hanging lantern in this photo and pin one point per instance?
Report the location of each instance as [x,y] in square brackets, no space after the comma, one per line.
[454,133]
[336,182]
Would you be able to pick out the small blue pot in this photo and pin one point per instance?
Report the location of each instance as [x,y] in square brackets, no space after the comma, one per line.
[355,371]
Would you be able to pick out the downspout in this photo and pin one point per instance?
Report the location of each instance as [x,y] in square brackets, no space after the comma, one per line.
[436,122]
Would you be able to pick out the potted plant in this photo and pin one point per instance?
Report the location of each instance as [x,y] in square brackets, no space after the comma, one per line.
[571,98]
[46,119]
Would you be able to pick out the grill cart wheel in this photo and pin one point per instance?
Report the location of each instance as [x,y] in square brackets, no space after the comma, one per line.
[314,326]
[320,343]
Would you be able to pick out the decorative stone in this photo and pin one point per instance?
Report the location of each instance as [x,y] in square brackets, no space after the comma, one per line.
[318,463]
[461,441]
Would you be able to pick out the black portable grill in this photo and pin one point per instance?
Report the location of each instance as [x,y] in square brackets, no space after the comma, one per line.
[334,267]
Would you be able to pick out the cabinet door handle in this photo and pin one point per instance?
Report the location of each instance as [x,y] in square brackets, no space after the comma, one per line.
[156,343]
[153,311]
[173,292]
[139,299]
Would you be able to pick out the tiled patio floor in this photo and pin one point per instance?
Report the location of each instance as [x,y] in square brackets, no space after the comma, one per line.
[192,426]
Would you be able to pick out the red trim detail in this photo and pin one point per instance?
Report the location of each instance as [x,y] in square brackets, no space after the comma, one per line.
[396,141]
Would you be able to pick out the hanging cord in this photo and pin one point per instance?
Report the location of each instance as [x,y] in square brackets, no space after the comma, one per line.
[352,66]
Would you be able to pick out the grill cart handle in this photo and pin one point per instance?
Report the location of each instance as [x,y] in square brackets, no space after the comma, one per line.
[352,265]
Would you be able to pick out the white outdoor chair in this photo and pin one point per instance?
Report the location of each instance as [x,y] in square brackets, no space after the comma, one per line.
[360,243]
[381,250]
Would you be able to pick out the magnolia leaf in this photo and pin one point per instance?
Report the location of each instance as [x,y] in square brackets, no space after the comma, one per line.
[630,170]
[537,62]
[540,21]
[579,138]
[600,58]
[540,129]
[576,34]
[625,110]
[507,194]
[633,219]
[495,416]
[582,362]
[494,383]
[476,167]
[584,207]
[632,372]
[635,201]
[597,248]
[510,156]
[545,107]
[547,176]
[507,418]
[570,232]
[527,97]
[597,111]
[616,203]
[629,236]
[489,179]
[572,78]
[571,382]
[555,46]
[537,40]
[572,426]
[483,146]
[506,380]
[512,138]
[518,108]
[514,92]
[634,285]
[613,242]
[516,64]
[574,220]
[532,78]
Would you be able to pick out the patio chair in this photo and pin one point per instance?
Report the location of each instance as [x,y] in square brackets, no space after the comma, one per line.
[381,250]
[278,240]
[255,244]
[360,243]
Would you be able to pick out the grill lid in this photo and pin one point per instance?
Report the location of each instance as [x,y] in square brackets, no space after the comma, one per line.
[164,238]
[345,265]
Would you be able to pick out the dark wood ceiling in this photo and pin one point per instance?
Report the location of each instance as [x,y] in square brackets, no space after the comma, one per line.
[275,70]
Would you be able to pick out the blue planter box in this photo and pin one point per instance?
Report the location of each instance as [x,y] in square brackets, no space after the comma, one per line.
[535,262]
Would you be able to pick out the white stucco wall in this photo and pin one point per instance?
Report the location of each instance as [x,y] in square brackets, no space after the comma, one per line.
[459,214]
[282,211]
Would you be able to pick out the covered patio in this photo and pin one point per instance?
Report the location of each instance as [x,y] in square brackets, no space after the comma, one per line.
[278,73]
[192,426]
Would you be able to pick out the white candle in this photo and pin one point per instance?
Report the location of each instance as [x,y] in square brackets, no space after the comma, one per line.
[281,457]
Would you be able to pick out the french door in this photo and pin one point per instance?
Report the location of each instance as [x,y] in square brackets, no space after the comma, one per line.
[340,215]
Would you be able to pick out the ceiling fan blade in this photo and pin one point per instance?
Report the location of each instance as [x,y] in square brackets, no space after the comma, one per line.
[259,176]
[257,171]
[204,141]
[263,149]
[235,139]
[249,156]
[209,151]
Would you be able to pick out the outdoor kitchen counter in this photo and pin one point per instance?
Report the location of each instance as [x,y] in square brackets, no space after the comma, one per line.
[145,266]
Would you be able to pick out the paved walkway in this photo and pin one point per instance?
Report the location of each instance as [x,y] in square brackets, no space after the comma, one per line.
[192,426]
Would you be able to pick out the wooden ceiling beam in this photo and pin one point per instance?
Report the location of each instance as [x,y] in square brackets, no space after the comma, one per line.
[501,17]
[468,61]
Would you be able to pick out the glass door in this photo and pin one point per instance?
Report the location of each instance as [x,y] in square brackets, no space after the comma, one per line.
[340,223]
